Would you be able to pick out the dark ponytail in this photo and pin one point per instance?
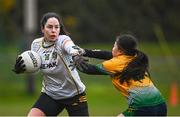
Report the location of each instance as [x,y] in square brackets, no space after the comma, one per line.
[138,67]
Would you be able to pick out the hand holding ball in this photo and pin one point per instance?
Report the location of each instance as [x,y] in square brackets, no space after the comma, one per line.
[27,62]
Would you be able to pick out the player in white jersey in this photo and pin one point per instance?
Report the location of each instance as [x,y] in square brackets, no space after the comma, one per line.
[62,87]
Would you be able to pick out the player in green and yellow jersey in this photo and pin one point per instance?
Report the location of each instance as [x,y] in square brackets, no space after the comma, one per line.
[128,68]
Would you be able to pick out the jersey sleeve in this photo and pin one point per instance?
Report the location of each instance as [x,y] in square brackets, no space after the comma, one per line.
[99,54]
[101,69]
[67,45]
[33,46]
[36,44]
[113,65]
[91,69]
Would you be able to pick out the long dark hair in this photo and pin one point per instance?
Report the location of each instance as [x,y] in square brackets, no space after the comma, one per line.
[138,67]
[48,15]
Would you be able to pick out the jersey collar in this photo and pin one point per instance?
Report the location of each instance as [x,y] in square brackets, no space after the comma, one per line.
[47,44]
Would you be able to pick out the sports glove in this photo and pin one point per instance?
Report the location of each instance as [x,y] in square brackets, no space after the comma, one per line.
[19,66]
[79,62]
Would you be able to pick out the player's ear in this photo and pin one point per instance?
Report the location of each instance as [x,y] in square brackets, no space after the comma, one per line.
[120,52]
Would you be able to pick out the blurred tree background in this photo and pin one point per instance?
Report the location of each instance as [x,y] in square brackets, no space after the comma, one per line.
[94,24]
[97,20]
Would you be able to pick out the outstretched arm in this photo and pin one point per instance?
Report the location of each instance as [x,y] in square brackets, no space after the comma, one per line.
[98,54]
[91,69]
[87,68]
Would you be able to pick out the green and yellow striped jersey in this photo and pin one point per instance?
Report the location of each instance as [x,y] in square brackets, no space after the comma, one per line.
[139,93]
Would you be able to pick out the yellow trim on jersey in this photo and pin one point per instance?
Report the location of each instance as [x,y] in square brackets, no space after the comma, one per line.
[61,56]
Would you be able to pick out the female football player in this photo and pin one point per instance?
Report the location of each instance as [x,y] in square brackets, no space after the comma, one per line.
[62,87]
[128,69]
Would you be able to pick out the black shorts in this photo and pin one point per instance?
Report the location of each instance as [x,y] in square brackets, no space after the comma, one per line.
[75,106]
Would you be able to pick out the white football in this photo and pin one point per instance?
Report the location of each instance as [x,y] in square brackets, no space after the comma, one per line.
[32,61]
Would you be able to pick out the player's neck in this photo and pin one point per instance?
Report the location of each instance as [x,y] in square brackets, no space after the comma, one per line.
[47,43]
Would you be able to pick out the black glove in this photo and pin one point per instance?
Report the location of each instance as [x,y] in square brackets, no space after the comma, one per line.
[80,50]
[19,67]
[79,62]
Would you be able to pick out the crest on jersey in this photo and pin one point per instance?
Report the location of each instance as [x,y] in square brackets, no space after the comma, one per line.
[54,55]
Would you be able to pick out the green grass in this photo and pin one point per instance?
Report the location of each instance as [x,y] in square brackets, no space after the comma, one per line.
[103,98]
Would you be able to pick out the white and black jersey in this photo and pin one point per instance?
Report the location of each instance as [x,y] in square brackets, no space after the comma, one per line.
[59,81]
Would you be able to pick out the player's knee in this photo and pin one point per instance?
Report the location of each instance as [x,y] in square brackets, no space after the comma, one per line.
[121,115]
[35,112]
